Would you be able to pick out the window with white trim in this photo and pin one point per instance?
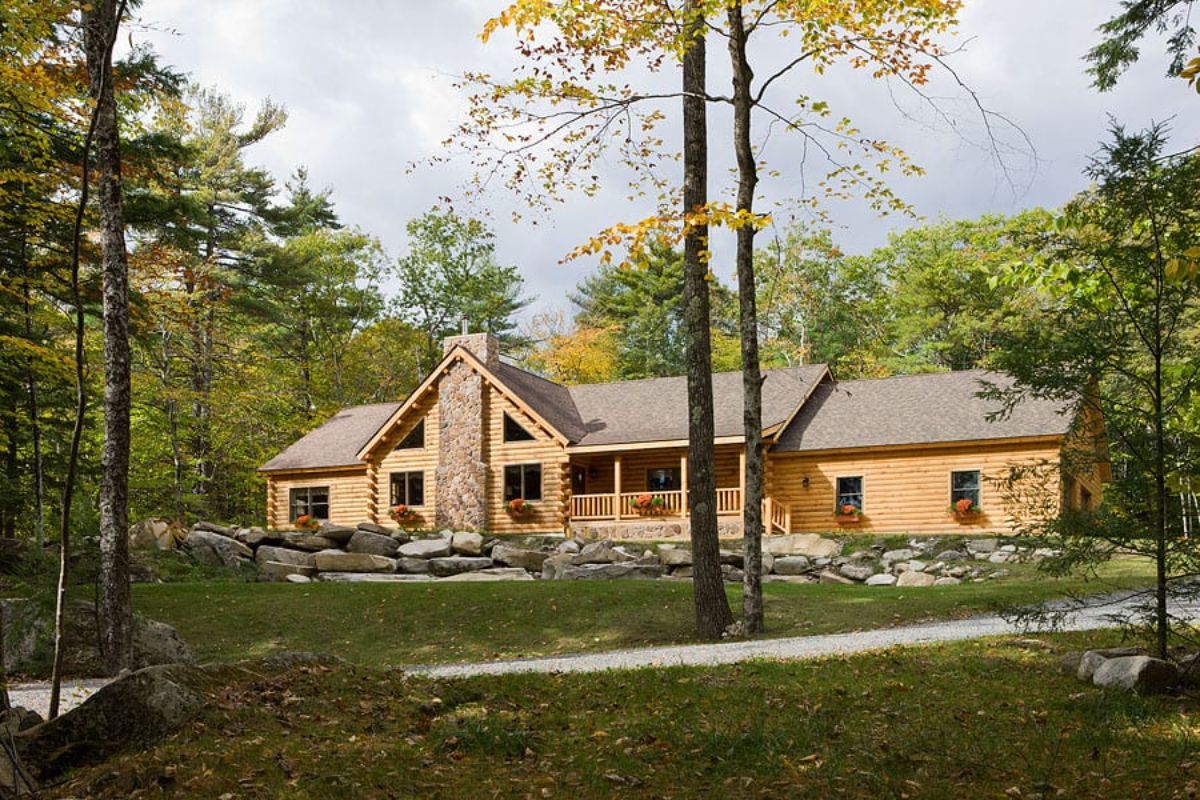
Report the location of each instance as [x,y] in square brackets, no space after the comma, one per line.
[850,491]
[964,485]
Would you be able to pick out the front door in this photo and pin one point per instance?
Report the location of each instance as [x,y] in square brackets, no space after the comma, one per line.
[578,480]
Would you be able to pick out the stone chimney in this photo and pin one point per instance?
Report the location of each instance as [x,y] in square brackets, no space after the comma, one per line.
[483,346]
[462,474]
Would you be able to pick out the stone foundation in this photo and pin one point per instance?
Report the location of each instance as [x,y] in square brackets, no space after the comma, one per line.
[651,529]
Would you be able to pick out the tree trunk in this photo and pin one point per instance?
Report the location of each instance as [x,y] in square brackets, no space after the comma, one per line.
[12,475]
[712,606]
[35,426]
[752,521]
[115,608]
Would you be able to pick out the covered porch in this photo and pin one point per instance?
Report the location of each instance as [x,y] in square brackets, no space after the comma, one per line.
[651,484]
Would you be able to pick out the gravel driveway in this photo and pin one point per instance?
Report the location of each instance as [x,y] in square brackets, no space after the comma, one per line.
[37,695]
[796,647]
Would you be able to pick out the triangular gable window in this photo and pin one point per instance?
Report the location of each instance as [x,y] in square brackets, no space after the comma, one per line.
[415,440]
[514,432]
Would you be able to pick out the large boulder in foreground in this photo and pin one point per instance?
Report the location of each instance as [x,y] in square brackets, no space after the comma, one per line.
[29,634]
[1141,674]
[137,709]
[453,565]
[374,543]
[426,548]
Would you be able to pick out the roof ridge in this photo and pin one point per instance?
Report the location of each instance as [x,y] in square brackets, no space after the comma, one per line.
[941,373]
[684,376]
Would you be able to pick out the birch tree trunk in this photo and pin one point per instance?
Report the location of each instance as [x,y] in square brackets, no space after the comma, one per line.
[708,588]
[101,18]
[752,521]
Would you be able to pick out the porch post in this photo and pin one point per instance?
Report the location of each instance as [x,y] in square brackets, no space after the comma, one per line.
[742,478]
[617,487]
[683,508]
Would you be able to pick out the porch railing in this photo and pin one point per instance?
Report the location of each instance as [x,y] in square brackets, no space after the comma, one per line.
[673,504]
[592,506]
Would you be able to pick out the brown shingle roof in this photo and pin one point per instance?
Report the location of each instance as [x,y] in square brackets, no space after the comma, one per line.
[915,409]
[656,409]
[337,442]
[551,400]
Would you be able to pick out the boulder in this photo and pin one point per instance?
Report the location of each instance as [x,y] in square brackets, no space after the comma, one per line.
[207,547]
[17,719]
[951,555]
[338,561]
[374,543]
[531,560]
[371,527]
[903,554]
[801,544]
[768,563]
[881,579]
[369,577]
[1091,660]
[211,527]
[731,557]
[682,572]
[999,557]
[856,572]
[426,548]
[789,579]
[412,566]
[401,536]
[453,565]
[256,537]
[283,555]
[136,710]
[279,571]
[1141,674]
[569,546]
[1189,670]
[829,576]
[914,578]
[611,571]
[155,533]
[337,533]
[298,579]
[791,565]
[554,565]
[497,574]
[983,545]
[466,543]
[308,541]
[947,581]
[601,552]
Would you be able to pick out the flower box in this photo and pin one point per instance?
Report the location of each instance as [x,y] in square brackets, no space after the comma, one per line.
[966,511]
[519,508]
[647,505]
[848,514]
[404,516]
[305,522]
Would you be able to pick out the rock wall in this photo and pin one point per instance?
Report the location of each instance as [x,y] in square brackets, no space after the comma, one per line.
[651,529]
[461,485]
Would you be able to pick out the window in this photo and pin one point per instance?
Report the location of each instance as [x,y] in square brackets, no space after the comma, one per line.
[850,491]
[1085,499]
[408,488]
[310,500]
[662,480]
[964,485]
[514,432]
[524,481]
[415,439]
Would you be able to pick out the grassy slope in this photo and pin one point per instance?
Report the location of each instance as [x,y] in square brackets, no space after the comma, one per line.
[979,719]
[381,624]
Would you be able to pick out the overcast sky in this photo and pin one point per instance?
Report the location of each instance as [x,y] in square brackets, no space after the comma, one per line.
[368,87]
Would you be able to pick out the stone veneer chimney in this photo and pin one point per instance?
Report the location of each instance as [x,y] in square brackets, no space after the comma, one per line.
[462,404]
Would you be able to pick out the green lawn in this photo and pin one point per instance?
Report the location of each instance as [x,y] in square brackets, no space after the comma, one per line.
[985,719]
[376,625]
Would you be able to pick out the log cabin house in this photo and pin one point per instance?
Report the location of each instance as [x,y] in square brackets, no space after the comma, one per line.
[896,454]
